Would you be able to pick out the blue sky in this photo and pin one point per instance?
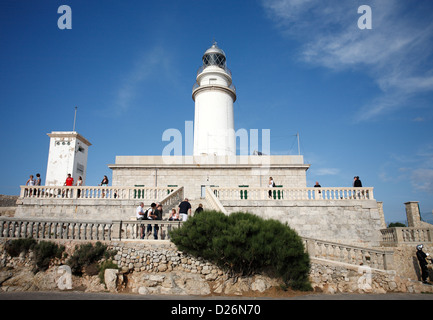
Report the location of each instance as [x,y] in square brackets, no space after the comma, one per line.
[361,100]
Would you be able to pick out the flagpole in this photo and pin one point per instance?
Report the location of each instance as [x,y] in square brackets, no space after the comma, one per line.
[75,118]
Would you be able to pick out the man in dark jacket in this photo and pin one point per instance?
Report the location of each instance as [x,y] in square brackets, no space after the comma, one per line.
[422,259]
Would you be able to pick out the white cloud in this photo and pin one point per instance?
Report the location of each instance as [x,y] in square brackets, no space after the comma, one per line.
[422,179]
[327,171]
[148,65]
[416,170]
[396,53]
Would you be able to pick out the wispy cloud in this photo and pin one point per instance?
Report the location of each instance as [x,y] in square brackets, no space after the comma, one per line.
[396,53]
[148,65]
[327,171]
[415,169]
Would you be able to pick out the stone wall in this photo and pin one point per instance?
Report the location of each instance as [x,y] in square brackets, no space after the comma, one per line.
[160,269]
[195,172]
[334,277]
[79,209]
[8,205]
[342,221]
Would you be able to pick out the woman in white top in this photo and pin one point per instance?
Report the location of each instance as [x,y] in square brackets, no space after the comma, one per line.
[79,184]
[271,185]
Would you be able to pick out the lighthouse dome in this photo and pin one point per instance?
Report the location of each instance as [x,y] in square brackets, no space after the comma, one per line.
[214,56]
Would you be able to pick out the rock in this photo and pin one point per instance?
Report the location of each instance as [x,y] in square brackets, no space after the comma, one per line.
[64,282]
[5,275]
[110,277]
[259,285]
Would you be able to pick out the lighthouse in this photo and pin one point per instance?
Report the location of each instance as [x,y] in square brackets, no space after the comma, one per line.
[214,95]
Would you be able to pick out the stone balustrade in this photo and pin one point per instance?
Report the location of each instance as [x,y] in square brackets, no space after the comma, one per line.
[234,193]
[213,201]
[402,235]
[354,255]
[131,231]
[278,193]
[44,229]
[95,192]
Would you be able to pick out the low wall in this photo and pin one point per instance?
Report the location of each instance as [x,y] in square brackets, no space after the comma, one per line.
[343,221]
[92,203]
[195,172]
[84,209]
[160,269]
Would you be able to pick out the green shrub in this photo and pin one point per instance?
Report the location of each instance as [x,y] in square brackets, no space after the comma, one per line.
[44,252]
[87,256]
[396,225]
[84,256]
[244,244]
[15,247]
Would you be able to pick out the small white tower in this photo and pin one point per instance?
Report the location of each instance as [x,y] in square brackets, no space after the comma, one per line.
[67,154]
[214,95]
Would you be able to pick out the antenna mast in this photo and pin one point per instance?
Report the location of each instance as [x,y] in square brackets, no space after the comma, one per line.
[75,118]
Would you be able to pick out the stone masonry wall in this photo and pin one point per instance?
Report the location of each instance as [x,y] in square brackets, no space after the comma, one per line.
[160,269]
[342,221]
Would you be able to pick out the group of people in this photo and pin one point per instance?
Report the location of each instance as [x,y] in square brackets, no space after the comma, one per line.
[155,212]
[356,184]
[69,182]
[34,182]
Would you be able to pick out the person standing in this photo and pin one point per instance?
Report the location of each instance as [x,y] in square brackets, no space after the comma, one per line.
[199,209]
[38,180]
[271,185]
[30,182]
[422,260]
[141,215]
[184,209]
[79,184]
[319,194]
[69,183]
[150,216]
[104,183]
[357,184]
[38,183]
[158,216]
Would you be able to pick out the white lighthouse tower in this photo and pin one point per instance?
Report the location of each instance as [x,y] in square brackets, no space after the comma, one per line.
[214,95]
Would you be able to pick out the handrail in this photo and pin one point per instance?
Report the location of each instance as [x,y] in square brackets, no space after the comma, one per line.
[355,255]
[47,229]
[95,192]
[280,193]
[214,201]
[406,235]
